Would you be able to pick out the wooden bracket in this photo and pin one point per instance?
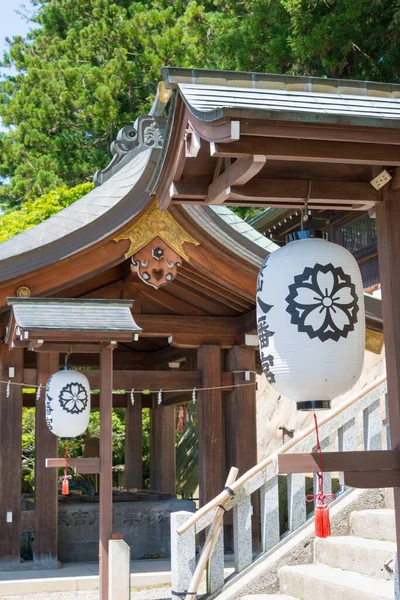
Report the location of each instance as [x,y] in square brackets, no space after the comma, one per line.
[84,466]
[238,173]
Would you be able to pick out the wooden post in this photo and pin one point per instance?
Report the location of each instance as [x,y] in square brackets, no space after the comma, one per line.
[10,458]
[162,448]
[241,424]
[240,411]
[211,426]
[133,443]
[388,227]
[106,386]
[46,494]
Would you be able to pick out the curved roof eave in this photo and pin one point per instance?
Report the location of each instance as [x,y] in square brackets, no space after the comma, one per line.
[93,217]
[211,95]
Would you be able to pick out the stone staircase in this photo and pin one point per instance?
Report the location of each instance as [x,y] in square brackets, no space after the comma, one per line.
[345,567]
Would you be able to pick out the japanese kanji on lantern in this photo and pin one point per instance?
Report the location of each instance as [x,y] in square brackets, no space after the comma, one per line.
[68,403]
[311,321]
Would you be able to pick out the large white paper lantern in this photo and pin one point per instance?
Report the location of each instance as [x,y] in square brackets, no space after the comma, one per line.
[68,403]
[311,321]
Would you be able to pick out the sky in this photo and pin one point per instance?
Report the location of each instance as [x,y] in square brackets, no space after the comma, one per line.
[10,22]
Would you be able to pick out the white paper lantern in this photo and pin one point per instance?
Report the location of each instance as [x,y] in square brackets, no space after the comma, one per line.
[68,403]
[311,321]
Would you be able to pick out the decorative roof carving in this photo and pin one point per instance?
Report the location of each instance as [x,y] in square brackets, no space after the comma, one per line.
[156,223]
[147,132]
[156,263]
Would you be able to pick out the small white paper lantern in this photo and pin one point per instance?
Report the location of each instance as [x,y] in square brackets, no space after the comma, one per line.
[311,321]
[67,403]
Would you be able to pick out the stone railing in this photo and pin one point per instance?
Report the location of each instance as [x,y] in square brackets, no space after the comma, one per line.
[355,425]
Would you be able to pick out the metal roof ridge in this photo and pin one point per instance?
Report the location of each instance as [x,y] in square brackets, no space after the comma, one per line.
[172,76]
[11,301]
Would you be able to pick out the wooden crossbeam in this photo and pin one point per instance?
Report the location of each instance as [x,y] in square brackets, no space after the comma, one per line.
[372,469]
[290,193]
[82,465]
[339,461]
[238,173]
[296,190]
[309,151]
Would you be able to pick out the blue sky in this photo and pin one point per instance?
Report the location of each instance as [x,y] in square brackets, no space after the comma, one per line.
[10,22]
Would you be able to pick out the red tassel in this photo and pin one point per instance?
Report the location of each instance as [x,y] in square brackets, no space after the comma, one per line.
[65,487]
[322,521]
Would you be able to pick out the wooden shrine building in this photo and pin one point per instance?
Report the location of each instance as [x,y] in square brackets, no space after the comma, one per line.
[157,230]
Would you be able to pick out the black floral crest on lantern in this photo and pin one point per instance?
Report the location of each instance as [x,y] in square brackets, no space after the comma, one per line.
[73,398]
[323,302]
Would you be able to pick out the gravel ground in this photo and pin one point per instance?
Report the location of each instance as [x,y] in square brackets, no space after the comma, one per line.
[161,592]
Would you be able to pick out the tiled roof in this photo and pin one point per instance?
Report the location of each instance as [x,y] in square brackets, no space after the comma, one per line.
[76,314]
[212,94]
[233,232]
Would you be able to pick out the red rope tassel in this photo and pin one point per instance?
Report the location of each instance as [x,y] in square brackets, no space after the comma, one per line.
[321,511]
[65,478]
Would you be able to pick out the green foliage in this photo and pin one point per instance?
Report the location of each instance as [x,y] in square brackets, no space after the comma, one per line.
[37,210]
[75,445]
[91,66]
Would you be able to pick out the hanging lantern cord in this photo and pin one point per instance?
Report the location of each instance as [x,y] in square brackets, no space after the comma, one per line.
[322,524]
[64,479]
[304,210]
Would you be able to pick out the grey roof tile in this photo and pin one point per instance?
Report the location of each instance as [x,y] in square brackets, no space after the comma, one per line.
[76,314]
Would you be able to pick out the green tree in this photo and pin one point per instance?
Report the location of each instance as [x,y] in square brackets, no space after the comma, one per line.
[91,66]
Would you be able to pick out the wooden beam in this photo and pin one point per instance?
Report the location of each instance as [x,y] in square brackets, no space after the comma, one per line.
[237,174]
[324,132]
[142,380]
[187,340]
[223,130]
[166,325]
[211,426]
[372,479]
[46,480]
[133,443]
[77,336]
[269,191]
[395,182]
[309,151]
[388,225]
[339,461]
[61,348]
[82,465]
[10,458]
[105,497]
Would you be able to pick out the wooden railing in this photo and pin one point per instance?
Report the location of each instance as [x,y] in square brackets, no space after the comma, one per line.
[354,425]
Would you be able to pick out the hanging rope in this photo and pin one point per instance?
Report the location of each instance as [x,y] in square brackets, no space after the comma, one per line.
[147,392]
[322,521]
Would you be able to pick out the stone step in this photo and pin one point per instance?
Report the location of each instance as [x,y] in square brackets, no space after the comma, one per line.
[377,524]
[313,582]
[357,554]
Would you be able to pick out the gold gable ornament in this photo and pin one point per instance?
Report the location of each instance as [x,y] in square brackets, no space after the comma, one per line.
[156,246]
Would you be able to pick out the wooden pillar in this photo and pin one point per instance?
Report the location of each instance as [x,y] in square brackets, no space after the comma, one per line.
[240,412]
[10,458]
[105,499]
[133,443]
[211,427]
[162,448]
[46,494]
[388,227]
